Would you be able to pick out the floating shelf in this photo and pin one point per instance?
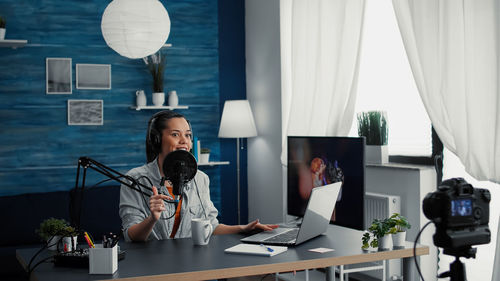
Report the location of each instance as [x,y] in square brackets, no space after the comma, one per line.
[13,43]
[214,163]
[159,107]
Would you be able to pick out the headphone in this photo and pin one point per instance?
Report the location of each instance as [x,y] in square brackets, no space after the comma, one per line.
[154,134]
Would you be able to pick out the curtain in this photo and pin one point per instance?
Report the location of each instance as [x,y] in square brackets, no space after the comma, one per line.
[320,43]
[453,49]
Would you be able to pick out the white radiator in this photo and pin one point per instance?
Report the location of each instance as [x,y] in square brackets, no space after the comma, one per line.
[381,206]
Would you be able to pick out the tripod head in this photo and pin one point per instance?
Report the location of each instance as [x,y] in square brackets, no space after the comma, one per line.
[457,268]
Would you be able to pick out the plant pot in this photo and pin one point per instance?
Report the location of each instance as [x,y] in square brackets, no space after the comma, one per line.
[377,154]
[2,33]
[399,239]
[158,99]
[53,242]
[385,243]
[204,157]
[68,245]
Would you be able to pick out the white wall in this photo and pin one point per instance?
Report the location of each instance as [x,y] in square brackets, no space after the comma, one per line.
[262,35]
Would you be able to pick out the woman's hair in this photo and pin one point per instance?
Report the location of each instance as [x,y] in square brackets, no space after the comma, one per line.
[156,125]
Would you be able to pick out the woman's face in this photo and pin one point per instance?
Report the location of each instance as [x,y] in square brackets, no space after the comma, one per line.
[316,164]
[176,135]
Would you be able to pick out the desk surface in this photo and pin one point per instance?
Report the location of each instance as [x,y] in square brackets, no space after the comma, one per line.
[179,260]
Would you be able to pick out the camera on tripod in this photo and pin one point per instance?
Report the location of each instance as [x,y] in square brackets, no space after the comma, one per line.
[461,214]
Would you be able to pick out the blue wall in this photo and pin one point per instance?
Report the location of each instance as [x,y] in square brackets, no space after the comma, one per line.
[39,151]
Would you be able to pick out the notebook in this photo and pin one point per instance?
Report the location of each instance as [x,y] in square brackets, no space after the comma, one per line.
[315,222]
[259,250]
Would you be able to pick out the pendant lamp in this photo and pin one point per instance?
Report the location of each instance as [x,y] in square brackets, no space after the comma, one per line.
[135,28]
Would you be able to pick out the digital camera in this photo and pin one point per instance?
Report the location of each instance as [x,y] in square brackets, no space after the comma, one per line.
[460,212]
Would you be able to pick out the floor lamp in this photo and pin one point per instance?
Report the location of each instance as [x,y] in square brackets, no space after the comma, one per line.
[237,122]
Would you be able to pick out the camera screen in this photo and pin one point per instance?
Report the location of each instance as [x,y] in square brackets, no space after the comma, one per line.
[461,207]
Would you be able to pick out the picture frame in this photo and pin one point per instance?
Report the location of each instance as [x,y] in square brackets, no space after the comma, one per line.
[58,76]
[85,112]
[93,76]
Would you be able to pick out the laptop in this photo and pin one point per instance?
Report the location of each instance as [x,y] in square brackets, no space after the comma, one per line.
[315,222]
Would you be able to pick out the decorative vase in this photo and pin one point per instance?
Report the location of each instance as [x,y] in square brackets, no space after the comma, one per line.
[158,99]
[204,157]
[68,245]
[2,33]
[53,242]
[377,154]
[140,98]
[173,99]
[385,243]
[399,239]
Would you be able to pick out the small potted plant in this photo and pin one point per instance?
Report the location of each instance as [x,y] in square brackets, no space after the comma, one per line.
[2,28]
[378,235]
[401,224]
[156,67]
[373,126]
[204,155]
[52,230]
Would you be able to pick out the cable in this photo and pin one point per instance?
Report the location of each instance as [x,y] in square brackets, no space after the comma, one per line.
[37,264]
[199,197]
[415,249]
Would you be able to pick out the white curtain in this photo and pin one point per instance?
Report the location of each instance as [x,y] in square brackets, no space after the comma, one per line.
[453,48]
[320,42]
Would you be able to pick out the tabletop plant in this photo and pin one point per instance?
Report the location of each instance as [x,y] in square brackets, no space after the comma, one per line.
[373,126]
[204,150]
[401,223]
[377,230]
[156,66]
[54,227]
[2,22]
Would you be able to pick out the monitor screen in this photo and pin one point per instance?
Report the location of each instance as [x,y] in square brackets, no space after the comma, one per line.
[317,161]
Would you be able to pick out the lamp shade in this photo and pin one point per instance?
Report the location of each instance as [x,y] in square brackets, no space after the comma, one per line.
[237,120]
[135,28]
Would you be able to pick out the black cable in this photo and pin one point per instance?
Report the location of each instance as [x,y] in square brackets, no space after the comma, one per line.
[37,264]
[199,197]
[415,249]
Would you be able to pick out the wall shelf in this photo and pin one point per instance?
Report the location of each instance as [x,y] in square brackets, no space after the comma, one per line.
[13,43]
[159,107]
[214,163]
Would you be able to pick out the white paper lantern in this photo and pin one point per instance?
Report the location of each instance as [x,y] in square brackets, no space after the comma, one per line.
[135,28]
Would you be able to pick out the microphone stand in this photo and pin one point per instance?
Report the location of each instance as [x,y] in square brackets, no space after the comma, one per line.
[84,163]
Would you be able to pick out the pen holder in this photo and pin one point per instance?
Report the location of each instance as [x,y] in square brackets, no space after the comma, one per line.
[103,260]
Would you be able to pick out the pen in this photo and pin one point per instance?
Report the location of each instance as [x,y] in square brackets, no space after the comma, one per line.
[89,241]
[267,248]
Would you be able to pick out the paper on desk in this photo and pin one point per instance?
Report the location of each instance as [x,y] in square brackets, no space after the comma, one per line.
[321,250]
[251,249]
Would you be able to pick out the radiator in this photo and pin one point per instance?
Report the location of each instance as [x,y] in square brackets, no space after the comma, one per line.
[381,206]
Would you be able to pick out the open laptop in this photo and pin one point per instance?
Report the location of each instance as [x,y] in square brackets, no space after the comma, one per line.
[315,222]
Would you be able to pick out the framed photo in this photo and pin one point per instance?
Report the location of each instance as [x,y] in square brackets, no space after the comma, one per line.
[58,76]
[93,76]
[85,112]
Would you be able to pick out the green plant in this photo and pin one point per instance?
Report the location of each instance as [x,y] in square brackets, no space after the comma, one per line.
[52,226]
[377,230]
[156,66]
[2,22]
[373,126]
[400,222]
[205,150]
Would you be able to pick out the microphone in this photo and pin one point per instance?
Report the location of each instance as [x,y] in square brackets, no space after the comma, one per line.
[179,167]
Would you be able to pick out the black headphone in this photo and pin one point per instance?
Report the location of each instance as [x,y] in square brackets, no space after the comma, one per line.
[153,137]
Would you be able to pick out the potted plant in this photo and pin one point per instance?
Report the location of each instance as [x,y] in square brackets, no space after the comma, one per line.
[373,126]
[156,67]
[378,235]
[204,155]
[401,224]
[2,28]
[52,230]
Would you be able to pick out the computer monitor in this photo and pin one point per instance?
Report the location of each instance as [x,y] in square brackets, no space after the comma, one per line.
[317,161]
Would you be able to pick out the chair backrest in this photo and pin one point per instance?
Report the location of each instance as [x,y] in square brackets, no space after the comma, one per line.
[496,264]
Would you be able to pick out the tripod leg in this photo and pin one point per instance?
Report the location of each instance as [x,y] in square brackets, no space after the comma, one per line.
[457,271]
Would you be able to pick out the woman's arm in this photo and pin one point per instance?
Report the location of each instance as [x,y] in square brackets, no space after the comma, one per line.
[232,229]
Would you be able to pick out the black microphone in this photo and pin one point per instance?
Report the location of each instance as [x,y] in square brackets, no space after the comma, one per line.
[179,167]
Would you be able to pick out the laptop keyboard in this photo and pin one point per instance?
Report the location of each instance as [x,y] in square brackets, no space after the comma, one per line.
[284,237]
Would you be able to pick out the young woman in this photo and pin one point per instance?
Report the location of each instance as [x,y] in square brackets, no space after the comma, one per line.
[151,218]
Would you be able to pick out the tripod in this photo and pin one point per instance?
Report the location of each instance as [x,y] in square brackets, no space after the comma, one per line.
[457,268]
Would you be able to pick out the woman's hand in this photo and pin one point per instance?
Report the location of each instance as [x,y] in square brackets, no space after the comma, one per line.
[156,204]
[257,225]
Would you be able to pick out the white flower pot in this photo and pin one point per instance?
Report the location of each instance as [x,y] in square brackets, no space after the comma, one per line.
[158,99]
[204,157]
[52,242]
[70,245]
[2,33]
[377,154]
[385,243]
[399,239]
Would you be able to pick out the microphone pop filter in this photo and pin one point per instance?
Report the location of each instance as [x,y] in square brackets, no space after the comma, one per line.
[179,167]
